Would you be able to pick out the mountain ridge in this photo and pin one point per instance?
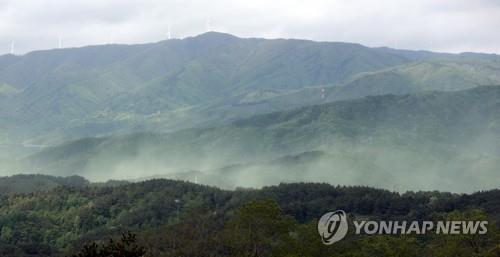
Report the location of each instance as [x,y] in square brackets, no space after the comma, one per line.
[407,134]
[49,97]
[82,84]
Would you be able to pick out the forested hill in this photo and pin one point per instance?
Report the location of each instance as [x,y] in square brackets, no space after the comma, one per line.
[48,97]
[33,183]
[379,141]
[175,218]
[98,89]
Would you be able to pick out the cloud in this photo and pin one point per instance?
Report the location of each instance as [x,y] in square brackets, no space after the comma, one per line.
[447,25]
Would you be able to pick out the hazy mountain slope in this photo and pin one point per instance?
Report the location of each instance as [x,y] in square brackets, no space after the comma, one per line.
[57,92]
[48,97]
[22,184]
[312,166]
[36,183]
[450,73]
[444,72]
[27,70]
[409,135]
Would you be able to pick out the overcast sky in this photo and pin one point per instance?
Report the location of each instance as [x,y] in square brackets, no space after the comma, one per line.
[444,25]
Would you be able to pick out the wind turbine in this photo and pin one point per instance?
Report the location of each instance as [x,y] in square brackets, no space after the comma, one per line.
[12,47]
[59,45]
[169,33]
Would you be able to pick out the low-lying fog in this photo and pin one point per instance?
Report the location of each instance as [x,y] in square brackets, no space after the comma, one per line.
[394,167]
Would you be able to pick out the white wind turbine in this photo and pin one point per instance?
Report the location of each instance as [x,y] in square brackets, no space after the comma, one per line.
[12,47]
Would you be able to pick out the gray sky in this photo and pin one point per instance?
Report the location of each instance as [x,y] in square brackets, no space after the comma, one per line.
[444,25]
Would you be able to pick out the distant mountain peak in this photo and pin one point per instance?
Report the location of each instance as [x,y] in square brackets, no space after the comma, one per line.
[214,36]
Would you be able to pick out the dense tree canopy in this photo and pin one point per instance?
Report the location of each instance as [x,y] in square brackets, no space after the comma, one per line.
[174,218]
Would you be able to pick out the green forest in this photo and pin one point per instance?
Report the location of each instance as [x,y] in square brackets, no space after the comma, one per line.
[175,218]
[224,146]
